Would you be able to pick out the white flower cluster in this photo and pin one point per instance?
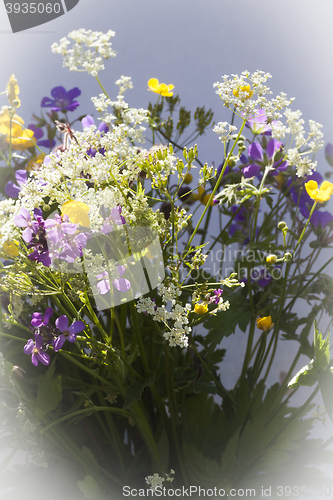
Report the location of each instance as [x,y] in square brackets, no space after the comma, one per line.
[157,481]
[313,142]
[247,93]
[89,51]
[223,133]
[177,333]
[124,83]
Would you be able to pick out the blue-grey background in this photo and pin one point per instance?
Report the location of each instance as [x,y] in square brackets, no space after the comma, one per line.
[189,43]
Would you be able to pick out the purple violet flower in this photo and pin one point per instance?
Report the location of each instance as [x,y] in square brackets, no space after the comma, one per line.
[255,151]
[11,189]
[67,332]
[38,320]
[62,100]
[35,348]
[23,219]
[251,170]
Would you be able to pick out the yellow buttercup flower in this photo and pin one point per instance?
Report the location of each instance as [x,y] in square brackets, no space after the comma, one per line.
[160,88]
[200,308]
[10,248]
[20,138]
[321,194]
[243,88]
[265,323]
[271,259]
[12,91]
[77,212]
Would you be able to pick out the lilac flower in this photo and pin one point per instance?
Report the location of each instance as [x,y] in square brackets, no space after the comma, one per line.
[115,217]
[62,100]
[67,332]
[11,189]
[59,227]
[217,297]
[35,348]
[258,123]
[38,134]
[38,320]
[23,219]
[72,248]
[121,284]
[87,121]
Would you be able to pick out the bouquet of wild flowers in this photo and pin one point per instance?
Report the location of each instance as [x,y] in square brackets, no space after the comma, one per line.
[113,319]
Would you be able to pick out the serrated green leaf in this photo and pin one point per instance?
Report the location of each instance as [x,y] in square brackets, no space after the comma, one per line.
[321,349]
[307,376]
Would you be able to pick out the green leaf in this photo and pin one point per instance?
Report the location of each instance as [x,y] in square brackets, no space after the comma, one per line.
[49,392]
[308,375]
[135,390]
[321,348]
[90,489]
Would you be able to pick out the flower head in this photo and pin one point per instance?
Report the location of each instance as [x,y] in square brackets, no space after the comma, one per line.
[62,100]
[271,259]
[321,194]
[19,137]
[200,308]
[265,323]
[160,88]
[67,332]
[35,348]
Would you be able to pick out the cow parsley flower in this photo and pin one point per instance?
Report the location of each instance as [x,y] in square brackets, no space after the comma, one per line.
[223,133]
[89,51]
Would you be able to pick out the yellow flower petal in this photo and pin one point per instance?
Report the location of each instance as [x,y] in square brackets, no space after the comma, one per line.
[77,212]
[10,248]
[200,308]
[160,88]
[322,194]
[154,84]
[271,259]
[265,323]
[12,91]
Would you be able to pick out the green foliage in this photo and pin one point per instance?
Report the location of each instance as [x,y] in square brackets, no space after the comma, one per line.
[49,393]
